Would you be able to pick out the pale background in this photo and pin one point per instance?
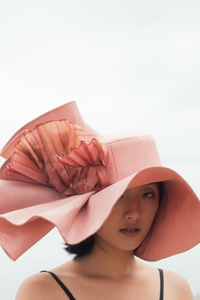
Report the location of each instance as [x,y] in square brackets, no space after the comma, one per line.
[130,65]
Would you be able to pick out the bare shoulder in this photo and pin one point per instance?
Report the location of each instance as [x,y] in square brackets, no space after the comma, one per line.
[176,286]
[38,286]
[42,286]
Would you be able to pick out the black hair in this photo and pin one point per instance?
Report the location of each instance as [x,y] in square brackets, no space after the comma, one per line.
[85,247]
[161,191]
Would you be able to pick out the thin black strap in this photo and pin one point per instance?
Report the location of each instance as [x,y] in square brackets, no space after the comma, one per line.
[161,284]
[71,297]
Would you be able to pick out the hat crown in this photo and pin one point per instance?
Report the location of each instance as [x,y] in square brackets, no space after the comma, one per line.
[129,153]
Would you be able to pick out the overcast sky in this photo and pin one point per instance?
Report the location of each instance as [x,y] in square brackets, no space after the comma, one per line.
[130,65]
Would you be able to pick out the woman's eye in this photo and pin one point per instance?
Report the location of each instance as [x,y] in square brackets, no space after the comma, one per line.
[148,195]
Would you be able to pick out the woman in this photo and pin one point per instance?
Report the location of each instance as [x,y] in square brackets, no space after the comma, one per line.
[111,198]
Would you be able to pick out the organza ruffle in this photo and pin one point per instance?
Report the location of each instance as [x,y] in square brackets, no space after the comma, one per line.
[59,154]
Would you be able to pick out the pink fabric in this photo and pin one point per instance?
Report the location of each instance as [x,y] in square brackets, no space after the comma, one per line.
[36,221]
[129,153]
[18,195]
[59,154]
[69,110]
[28,211]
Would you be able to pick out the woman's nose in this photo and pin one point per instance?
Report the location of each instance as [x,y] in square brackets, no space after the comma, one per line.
[132,210]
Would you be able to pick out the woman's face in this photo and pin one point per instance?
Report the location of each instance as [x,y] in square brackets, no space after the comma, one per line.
[130,219]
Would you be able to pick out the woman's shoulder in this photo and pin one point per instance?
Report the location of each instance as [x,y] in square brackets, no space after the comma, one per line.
[40,286]
[176,286]
[43,286]
[37,286]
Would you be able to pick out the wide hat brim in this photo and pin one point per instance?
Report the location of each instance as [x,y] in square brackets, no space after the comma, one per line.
[29,211]
[80,216]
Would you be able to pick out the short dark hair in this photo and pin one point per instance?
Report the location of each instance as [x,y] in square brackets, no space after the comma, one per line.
[85,247]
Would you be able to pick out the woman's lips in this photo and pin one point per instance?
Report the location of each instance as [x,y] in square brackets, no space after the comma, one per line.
[130,232]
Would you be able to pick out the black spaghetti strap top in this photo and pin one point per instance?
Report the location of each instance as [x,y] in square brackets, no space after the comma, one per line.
[65,289]
[71,297]
[161,284]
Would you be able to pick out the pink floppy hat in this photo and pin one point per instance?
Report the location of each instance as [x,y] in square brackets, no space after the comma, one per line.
[60,172]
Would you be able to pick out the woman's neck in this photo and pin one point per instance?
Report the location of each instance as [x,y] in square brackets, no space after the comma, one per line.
[110,263]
